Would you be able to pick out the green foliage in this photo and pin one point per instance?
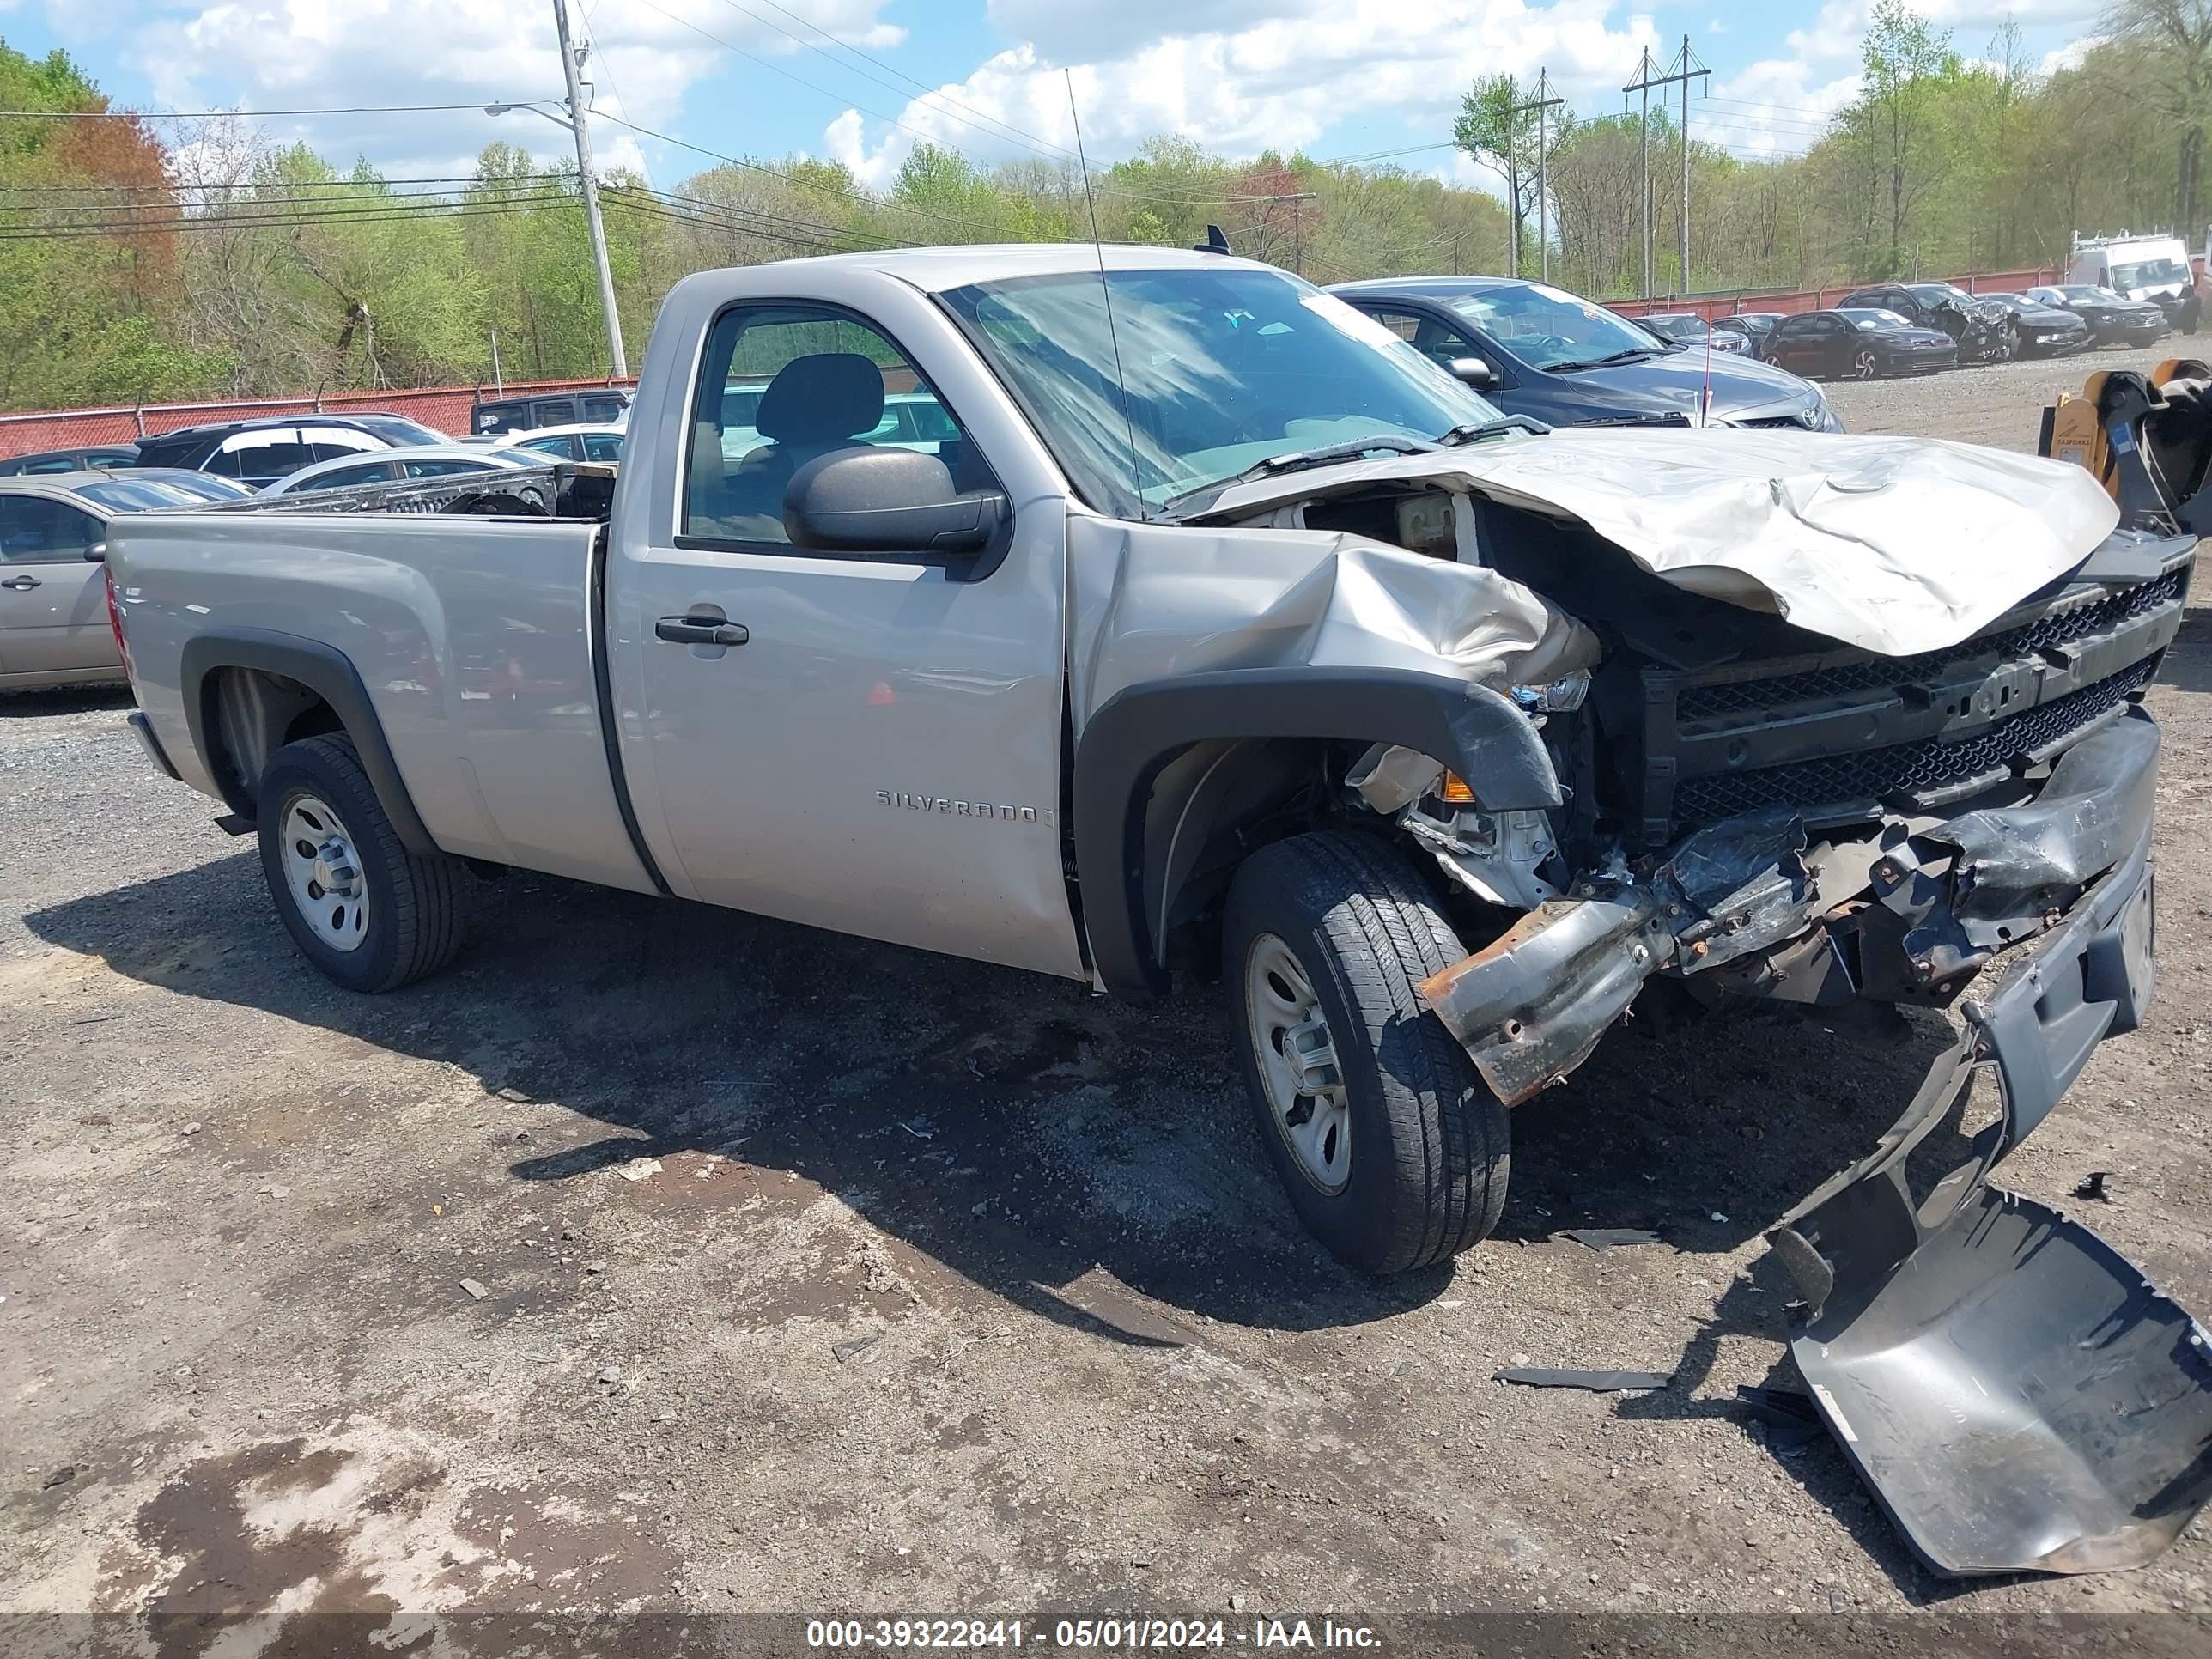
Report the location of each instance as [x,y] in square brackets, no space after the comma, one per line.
[224,266]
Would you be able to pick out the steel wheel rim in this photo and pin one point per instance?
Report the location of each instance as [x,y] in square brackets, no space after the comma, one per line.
[1862,367]
[323,873]
[1297,1062]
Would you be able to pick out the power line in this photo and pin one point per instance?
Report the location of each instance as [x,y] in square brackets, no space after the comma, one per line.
[229,114]
[229,222]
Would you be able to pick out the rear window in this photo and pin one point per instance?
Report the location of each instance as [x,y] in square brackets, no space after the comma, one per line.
[138,496]
[499,417]
[170,451]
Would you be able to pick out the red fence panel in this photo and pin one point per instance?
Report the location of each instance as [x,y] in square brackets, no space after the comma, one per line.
[446,408]
[1714,306]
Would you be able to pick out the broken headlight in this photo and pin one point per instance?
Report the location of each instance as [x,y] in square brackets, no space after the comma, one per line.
[1561,696]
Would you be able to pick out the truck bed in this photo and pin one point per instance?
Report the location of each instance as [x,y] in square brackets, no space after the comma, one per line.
[473,638]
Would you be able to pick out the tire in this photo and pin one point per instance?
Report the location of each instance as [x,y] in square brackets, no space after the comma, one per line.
[2192,311]
[1424,1146]
[372,915]
[1866,366]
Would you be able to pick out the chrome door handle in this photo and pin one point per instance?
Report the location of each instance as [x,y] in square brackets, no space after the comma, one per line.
[20,583]
[699,630]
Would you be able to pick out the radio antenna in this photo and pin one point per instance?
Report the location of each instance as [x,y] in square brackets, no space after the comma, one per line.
[1106,293]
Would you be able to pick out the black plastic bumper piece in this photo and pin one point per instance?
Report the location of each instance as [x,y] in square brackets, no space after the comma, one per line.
[137,721]
[2017,1394]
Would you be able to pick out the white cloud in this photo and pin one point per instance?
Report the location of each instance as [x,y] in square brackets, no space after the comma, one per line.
[288,54]
[1256,76]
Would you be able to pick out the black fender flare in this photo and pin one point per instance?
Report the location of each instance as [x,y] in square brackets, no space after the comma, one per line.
[331,675]
[1470,728]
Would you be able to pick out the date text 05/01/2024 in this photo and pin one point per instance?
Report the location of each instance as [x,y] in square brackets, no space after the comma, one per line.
[1091,1635]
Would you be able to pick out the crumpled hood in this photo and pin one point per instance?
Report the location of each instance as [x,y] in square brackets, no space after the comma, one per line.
[1898,545]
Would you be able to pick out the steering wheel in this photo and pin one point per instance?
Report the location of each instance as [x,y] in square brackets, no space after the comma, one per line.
[1539,346]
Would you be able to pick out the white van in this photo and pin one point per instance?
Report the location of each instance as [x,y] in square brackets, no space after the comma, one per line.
[2154,268]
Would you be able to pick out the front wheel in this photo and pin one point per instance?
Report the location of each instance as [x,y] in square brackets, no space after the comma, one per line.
[1392,1152]
[1865,366]
[366,911]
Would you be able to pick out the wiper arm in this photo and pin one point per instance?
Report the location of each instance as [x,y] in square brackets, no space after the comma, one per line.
[1468,432]
[1296,460]
[1600,362]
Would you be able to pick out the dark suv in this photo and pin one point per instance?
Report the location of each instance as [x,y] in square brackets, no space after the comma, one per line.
[259,452]
[597,406]
[70,460]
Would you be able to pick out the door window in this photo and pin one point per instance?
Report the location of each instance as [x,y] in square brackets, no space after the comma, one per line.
[604,409]
[54,464]
[555,411]
[331,443]
[34,530]
[828,381]
[1438,342]
[346,477]
[602,445]
[443,469]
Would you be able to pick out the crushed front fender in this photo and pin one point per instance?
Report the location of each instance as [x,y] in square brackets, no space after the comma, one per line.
[2017,1394]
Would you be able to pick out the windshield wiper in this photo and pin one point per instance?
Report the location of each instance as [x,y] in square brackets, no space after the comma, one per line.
[1296,460]
[1468,431]
[1630,355]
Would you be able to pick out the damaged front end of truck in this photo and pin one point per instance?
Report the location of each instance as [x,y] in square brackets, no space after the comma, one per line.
[1823,723]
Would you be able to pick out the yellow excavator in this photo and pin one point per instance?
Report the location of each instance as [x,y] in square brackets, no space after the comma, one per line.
[2147,439]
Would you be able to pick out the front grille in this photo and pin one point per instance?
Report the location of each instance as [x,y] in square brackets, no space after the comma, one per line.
[1763,697]
[1774,423]
[1906,770]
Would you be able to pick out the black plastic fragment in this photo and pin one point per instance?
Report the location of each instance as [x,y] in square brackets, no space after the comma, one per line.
[1792,1420]
[1595,1382]
[1609,1238]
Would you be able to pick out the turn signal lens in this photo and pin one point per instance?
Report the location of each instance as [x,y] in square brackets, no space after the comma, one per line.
[1456,792]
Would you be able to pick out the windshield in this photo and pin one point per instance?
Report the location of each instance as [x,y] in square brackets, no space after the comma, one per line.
[136,495]
[1935,294]
[2088,291]
[1223,369]
[2149,273]
[1876,321]
[400,431]
[1549,328]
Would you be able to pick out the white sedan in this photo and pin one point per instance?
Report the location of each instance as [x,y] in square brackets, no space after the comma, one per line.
[423,461]
[584,441]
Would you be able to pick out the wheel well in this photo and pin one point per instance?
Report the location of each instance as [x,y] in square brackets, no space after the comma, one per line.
[250,714]
[1212,805]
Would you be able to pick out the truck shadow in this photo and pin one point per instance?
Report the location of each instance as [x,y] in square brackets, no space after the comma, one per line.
[1014,1128]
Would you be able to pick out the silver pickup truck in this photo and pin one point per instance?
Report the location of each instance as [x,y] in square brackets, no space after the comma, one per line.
[1126,613]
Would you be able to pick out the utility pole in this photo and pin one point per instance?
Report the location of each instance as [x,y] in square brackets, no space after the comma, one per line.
[1683,70]
[579,123]
[1543,103]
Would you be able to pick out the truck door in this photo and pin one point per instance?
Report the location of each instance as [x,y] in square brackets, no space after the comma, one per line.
[881,755]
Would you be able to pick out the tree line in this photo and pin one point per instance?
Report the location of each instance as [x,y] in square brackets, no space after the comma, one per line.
[205,261]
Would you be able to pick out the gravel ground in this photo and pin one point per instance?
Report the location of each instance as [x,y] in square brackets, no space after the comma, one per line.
[662,1258]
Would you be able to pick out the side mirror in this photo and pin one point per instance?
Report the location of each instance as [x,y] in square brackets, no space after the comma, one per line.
[96,554]
[872,500]
[1475,371]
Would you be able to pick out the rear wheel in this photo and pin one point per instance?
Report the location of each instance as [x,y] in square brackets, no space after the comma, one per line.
[1392,1149]
[366,911]
[1865,366]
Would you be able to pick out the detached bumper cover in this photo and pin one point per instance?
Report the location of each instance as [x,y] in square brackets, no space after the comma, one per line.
[2018,1395]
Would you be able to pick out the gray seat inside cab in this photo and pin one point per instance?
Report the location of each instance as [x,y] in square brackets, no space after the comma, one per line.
[815,405]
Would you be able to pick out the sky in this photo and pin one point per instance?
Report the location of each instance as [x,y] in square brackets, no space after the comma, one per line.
[863,82]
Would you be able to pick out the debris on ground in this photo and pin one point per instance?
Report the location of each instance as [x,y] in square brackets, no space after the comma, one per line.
[1537,1377]
[848,1352]
[1791,1420]
[2092,1185]
[1610,1238]
[476,1291]
[638,1167]
[60,1477]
